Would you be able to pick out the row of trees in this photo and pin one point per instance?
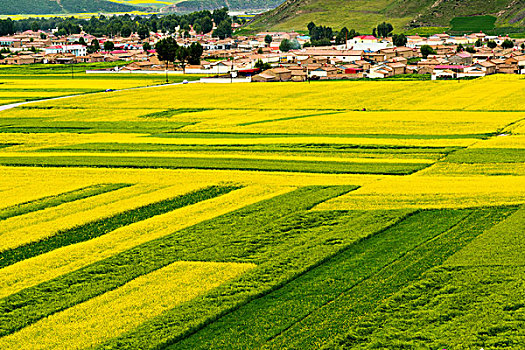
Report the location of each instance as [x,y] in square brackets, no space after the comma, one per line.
[202,22]
[169,51]
[323,35]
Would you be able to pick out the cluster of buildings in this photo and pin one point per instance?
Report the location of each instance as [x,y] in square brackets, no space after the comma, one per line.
[252,58]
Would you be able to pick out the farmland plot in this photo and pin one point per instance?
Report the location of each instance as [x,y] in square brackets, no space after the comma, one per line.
[178,217]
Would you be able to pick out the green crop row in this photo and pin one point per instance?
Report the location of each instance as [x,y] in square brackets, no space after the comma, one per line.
[42,125]
[309,311]
[101,227]
[288,148]
[450,308]
[53,201]
[488,155]
[331,167]
[5,145]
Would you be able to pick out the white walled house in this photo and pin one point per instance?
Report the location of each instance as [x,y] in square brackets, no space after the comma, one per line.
[368,43]
[77,50]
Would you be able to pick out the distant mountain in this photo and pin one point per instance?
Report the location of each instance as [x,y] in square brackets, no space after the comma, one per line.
[363,15]
[40,7]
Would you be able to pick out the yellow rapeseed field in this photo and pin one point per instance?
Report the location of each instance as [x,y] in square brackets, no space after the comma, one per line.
[34,226]
[432,192]
[115,312]
[414,145]
[47,266]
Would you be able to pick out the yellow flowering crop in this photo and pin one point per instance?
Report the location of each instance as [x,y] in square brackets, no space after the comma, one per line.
[113,313]
[44,267]
[34,226]
[432,192]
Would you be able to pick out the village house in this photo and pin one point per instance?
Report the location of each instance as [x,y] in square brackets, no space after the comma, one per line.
[77,50]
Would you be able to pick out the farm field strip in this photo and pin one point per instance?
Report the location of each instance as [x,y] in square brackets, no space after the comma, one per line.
[280,165]
[66,209]
[103,226]
[420,191]
[401,96]
[407,270]
[41,268]
[13,236]
[25,190]
[199,155]
[90,176]
[113,313]
[48,202]
[467,169]
[205,139]
[196,243]
[502,245]
[329,281]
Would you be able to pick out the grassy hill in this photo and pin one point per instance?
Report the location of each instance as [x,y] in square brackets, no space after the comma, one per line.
[38,7]
[365,14]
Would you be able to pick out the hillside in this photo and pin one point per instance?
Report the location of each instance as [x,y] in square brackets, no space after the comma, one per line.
[39,7]
[363,15]
[234,5]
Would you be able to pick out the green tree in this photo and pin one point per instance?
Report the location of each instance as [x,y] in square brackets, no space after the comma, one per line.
[195,51]
[183,56]
[285,45]
[167,50]
[82,41]
[197,28]
[310,26]
[146,46]
[507,44]
[478,43]
[384,29]
[126,31]
[206,25]
[109,46]
[427,50]
[460,48]
[492,44]
[268,39]
[35,27]
[143,32]
[399,39]
[342,36]
[261,65]
[224,30]
[94,47]
[470,49]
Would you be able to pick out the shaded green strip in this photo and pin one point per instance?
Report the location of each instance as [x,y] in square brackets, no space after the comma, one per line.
[321,148]
[101,227]
[329,167]
[488,155]
[54,201]
[5,145]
